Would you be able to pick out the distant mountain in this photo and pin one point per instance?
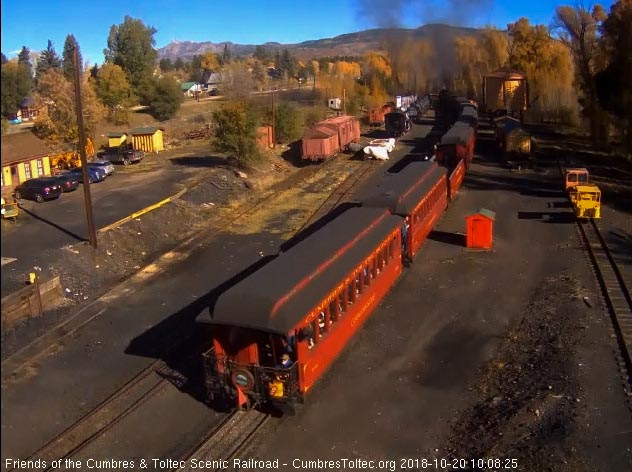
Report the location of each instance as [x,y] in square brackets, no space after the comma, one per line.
[350,44]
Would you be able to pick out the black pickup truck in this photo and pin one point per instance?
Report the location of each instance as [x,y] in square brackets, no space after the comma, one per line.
[121,155]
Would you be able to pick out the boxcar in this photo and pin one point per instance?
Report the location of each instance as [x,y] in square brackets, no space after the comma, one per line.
[346,127]
[418,193]
[319,143]
[302,307]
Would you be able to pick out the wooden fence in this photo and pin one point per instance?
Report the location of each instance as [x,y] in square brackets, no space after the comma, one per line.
[27,303]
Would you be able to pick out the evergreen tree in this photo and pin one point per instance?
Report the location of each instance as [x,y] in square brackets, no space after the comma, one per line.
[24,59]
[166,65]
[68,61]
[225,57]
[48,59]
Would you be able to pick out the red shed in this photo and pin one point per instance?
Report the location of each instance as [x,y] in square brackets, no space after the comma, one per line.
[480,229]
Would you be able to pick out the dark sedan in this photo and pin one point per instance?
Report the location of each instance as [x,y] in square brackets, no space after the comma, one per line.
[39,189]
[68,182]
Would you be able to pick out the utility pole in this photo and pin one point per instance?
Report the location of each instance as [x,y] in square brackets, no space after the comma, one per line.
[82,152]
[273,122]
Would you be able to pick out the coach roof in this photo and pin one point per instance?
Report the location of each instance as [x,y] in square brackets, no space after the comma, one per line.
[280,294]
[401,192]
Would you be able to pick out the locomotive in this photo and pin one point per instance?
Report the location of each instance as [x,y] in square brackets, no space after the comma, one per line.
[276,332]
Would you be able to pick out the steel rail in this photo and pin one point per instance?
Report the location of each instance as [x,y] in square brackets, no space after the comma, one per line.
[616,295]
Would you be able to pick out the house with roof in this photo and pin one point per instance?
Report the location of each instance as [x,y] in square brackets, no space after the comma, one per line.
[24,156]
[148,138]
[189,89]
[215,80]
[29,109]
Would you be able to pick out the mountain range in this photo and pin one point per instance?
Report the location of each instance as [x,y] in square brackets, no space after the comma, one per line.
[350,44]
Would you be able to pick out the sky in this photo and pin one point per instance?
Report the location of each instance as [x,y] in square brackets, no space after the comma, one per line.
[33,23]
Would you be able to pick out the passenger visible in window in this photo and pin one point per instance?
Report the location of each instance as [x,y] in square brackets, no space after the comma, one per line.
[286,361]
[321,323]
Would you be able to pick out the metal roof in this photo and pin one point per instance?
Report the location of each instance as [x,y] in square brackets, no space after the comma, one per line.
[401,192]
[283,292]
[145,130]
[486,213]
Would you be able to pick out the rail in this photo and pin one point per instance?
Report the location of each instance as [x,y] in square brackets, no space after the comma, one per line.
[337,196]
[102,418]
[615,286]
[227,441]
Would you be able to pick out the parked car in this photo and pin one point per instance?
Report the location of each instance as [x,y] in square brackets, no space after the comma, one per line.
[39,189]
[67,181]
[104,164]
[122,155]
[95,174]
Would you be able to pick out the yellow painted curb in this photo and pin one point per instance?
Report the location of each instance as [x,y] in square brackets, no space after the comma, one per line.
[118,223]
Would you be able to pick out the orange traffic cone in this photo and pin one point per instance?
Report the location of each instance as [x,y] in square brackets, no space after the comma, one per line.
[242,398]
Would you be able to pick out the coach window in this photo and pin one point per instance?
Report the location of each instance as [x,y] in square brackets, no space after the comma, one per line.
[316,328]
[333,311]
[342,301]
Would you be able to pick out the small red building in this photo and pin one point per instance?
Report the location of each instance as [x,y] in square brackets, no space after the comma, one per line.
[479,229]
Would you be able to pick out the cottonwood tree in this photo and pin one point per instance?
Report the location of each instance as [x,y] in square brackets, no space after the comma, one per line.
[58,120]
[16,86]
[579,30]
[131,46]
[614,83]
[114,91]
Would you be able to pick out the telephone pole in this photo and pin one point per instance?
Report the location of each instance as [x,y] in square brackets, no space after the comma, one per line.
[273,122]
[82,152]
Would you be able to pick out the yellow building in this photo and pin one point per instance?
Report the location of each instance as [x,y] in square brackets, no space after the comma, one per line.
[24,156]
[116,138]
[148,139]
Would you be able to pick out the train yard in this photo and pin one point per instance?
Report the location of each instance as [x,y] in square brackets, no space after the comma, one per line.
[411,382]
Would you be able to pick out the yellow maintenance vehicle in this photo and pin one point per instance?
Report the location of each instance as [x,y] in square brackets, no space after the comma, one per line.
[70,159]
[586,201]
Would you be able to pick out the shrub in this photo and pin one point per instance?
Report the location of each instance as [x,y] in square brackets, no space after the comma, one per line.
[236,131]
[288,123]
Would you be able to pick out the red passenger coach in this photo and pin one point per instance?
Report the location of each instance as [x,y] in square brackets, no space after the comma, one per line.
[456,179]
[418,193]
[457,144]
[276,332]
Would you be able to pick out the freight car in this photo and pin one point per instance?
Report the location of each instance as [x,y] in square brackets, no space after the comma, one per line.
[319,144]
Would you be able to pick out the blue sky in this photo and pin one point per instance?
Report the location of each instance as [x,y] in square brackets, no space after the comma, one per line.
[240,21]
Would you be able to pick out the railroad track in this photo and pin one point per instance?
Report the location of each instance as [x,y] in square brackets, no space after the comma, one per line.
[615,284]
[345,189]
[226,442]
[103,417]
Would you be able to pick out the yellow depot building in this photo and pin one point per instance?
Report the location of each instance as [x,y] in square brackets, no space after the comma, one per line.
[116,138]
[24,156]
[148,139]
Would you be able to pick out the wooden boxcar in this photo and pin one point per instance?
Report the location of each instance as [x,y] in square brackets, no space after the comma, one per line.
[319,143]
[302,307]
[418,193]
[346,127]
